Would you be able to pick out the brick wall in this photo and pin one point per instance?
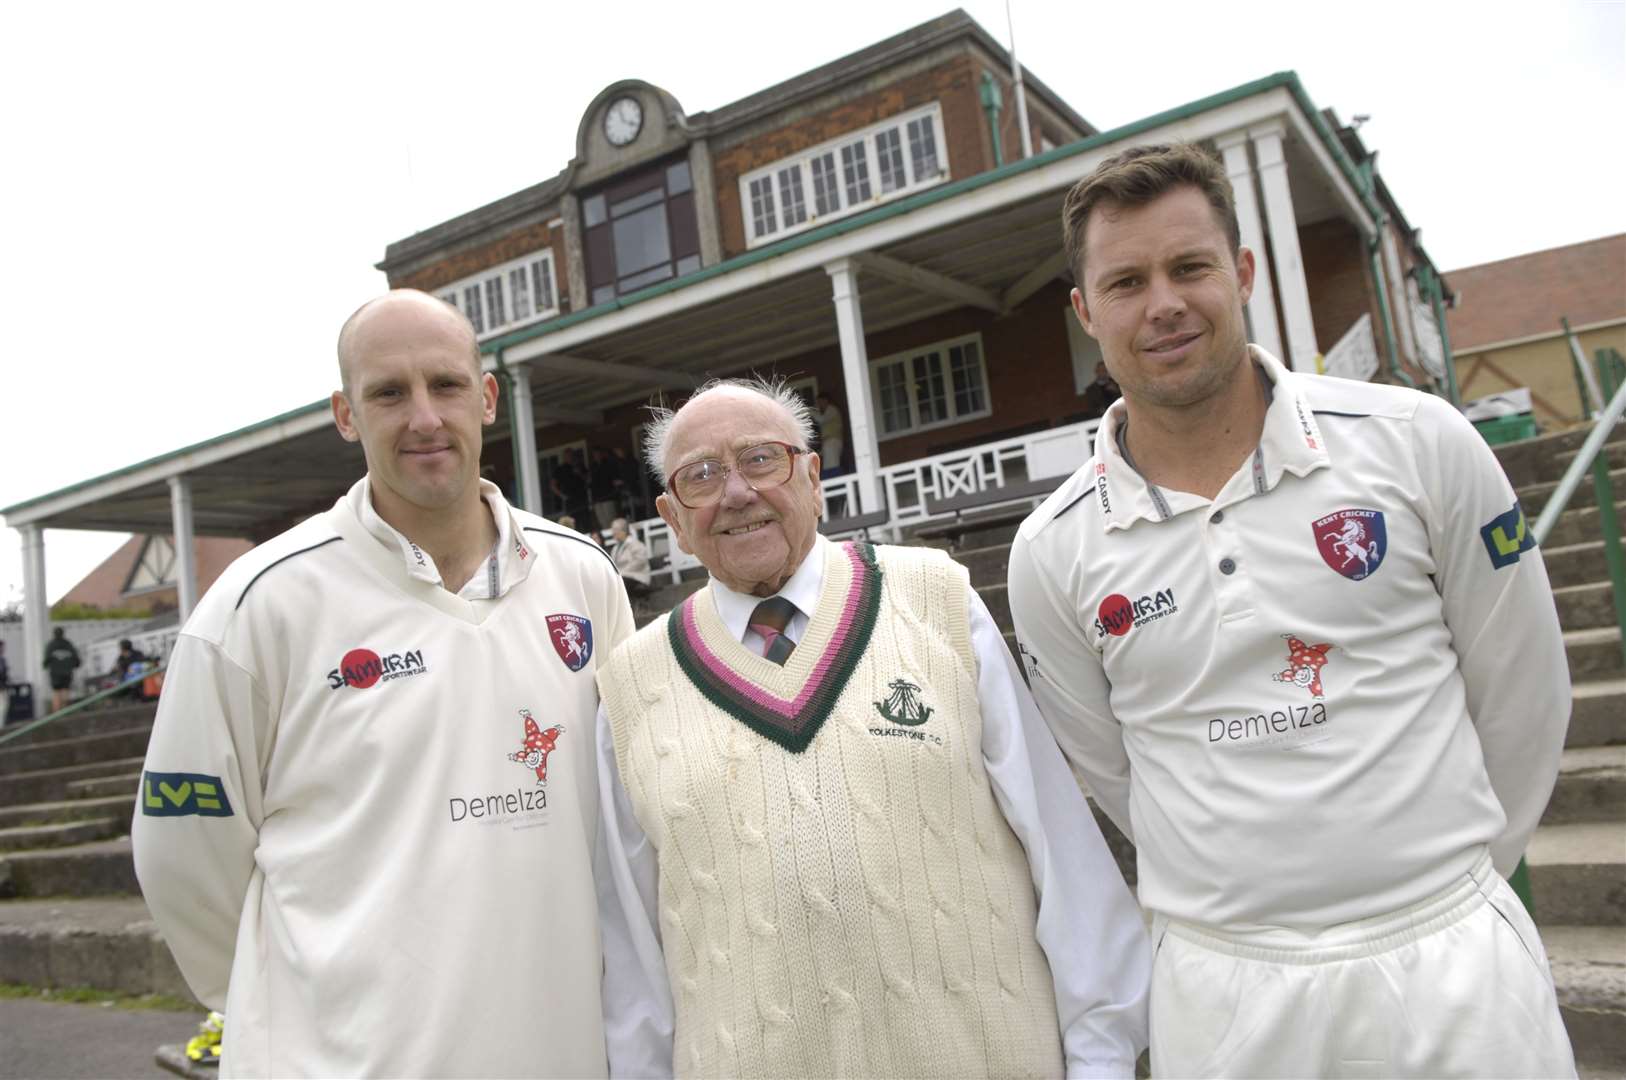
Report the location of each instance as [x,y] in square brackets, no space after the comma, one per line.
[522,241]
[952,84]
[1340,284]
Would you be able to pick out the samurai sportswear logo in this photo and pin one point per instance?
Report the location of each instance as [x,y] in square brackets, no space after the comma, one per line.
[572,638]
[904,708]
[1352,542]
[183,794]
[363,668]
[1507,537]
[1118,614]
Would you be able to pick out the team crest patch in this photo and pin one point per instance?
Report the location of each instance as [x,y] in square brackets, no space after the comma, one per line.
[1506,537]
[533,754]
[572,638]
[901,706]
[1352,542]
[1304,664]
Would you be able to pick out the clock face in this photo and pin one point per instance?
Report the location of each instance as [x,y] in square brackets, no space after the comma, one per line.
[623,120]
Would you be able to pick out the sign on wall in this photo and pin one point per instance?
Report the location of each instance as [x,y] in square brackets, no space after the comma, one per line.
[1356,354]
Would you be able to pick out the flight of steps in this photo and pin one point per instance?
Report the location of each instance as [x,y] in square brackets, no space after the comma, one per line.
[71,913]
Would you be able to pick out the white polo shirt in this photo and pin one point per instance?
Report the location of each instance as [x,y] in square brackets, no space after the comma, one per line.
[1317,697]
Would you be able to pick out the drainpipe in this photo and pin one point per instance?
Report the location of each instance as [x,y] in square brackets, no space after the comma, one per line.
[991,104]
[1372,257]
[1430,283]
[507,379]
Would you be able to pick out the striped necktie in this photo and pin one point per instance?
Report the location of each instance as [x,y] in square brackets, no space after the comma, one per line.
[769,620]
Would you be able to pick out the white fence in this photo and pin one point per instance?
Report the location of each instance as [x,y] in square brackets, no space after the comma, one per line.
[907,486]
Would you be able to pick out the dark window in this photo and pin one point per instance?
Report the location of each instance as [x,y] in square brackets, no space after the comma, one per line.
[640,230]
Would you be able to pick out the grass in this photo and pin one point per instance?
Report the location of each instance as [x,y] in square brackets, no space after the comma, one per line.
[84,995]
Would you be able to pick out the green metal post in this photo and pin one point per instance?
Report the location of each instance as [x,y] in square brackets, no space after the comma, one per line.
[1382,285]
[1436,298]
[992,101]
[1608,521]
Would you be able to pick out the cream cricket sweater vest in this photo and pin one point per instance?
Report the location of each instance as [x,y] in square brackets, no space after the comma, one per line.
[839,892]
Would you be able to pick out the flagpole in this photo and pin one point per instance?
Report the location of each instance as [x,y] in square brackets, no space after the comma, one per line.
[1021,92]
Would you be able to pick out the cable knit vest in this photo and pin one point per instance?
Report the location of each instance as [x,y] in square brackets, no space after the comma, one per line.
[839,892]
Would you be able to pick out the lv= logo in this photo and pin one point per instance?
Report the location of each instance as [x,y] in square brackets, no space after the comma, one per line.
[183,795]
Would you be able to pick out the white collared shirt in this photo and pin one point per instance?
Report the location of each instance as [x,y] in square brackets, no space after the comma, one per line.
[507,565]
[1088,925]
[1310,699]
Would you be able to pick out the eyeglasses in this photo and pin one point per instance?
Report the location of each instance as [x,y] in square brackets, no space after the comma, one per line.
[766,465]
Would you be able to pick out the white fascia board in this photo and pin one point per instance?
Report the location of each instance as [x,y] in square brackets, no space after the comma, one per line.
[160,471]
[1054,177]
[1310,138]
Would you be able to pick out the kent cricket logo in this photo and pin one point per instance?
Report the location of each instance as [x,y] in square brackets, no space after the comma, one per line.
[363,668]
[572,638]
[1506,537]
[179,794]
[1352,542]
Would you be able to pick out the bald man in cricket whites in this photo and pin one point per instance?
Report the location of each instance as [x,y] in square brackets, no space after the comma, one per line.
[367,818]
[838,840]
[1295,633]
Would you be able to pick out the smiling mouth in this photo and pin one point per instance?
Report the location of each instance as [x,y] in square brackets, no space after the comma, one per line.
[741,530]
[1168,345]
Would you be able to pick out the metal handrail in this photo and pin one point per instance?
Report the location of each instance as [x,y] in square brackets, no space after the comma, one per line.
[13,733]
[1583,461]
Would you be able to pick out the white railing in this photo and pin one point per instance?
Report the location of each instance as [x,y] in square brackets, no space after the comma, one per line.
[907,486]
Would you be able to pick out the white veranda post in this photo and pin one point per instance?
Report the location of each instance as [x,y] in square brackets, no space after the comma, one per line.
[529,480]
[855,370]
[36,616]
[1262,305]
[186,561]
[1284,246]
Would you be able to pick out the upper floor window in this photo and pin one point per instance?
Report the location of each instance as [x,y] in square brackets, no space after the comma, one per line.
[845,175]
[507,296]
[640,230]
[940,384]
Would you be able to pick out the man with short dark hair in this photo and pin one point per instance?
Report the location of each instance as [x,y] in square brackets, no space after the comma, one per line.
[838,840]
[366,822]
[61,661]
[1294,632]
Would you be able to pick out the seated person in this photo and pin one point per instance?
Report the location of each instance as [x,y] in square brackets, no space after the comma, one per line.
[631,558]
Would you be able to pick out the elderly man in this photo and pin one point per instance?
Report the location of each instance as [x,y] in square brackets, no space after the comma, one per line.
[631,558]
[838,839]
[366,822]
[1296,635]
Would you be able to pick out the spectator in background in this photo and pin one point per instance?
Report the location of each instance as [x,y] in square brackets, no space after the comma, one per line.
[601,480]
[631,558]
[572,477]
[128,657]
[629,481]
[5,684]
[61,661]
[1101,393]
[832,434]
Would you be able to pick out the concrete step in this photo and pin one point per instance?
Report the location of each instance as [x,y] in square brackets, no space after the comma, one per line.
[106,943]
[101,868]
[1591,787]
[1533,497]
[96,720]
[56,813]
[1585,563]
[51,785]
[1589,972]
[1578,874]
[124,786]
[1594,654]
[80,750]
[60,834]
[1531,461]
[1599,715]
[1577,526]
[1582,607]
[1559,463]
[987,565]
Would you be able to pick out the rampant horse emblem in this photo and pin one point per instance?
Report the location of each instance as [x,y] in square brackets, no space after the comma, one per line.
[1352,542]
[901,706]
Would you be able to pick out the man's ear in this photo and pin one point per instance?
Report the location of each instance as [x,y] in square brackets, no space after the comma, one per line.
[668,513]
[488,392]
[1245,267]
[342,418]
[1081,311]
[813,465]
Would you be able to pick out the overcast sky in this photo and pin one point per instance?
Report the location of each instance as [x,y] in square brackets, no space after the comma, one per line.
[194,195]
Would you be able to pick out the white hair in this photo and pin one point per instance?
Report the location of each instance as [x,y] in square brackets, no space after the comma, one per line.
[658,432]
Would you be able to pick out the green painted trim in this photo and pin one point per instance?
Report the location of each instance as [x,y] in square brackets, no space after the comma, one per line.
[1381,282]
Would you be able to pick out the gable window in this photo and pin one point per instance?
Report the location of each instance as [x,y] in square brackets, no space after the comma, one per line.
[642,229]
[844,176]
[940,384]
[508,296]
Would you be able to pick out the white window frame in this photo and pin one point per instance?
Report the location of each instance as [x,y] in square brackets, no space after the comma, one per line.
[777,225]
[454,294]
[905,359]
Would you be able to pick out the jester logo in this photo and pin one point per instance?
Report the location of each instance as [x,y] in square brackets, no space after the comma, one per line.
[901,706]
[572,638]
[1304,664]
[538,745]
[1352,542]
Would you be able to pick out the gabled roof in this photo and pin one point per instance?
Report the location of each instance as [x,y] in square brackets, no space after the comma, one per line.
[1525,296]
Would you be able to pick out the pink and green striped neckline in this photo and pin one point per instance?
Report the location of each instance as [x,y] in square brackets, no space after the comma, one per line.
[837,635]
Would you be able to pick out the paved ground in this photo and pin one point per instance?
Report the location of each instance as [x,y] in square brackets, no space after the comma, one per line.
[43,1040]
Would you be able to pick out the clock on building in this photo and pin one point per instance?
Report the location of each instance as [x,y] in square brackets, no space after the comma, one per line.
[623,120]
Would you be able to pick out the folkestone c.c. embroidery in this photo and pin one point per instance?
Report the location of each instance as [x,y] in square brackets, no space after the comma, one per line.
[790,722]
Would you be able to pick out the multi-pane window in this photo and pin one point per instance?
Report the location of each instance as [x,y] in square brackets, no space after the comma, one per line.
[643,229]
[508,296]
[859,170]
[940,384]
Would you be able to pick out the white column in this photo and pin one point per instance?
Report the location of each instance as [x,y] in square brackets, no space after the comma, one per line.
[186,558]
[1284,247]
[529,480]
[1399,298]
[855,370]
[1262,305]
[36,618]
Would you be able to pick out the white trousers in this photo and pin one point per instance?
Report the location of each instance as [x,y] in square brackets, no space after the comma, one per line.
[1454,986]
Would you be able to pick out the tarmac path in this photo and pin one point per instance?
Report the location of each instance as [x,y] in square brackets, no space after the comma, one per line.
[43,1040]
